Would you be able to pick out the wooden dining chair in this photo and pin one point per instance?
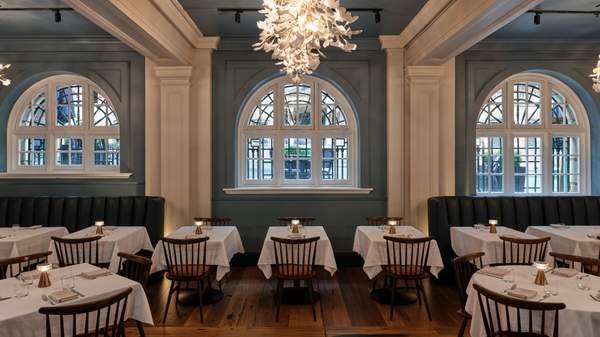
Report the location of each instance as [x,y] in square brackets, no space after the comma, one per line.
[586,264]
[13,266]
[135,268]
[286,221]
[77,250]
[295,261]
[523,251]
[103,316]
[406,260]
[215,221]
[464,268]
[186,263]
[382,220]
[518,314]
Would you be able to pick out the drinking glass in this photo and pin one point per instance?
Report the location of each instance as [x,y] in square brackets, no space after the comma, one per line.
[68,279]
[21,289]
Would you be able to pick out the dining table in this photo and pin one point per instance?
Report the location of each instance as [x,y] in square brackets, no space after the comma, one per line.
[20,301]
[578,291]
[573,240]
[18,241]
[115,239]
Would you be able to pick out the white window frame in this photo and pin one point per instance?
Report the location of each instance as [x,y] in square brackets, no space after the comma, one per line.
[316,131]
[546,130]
[51,132]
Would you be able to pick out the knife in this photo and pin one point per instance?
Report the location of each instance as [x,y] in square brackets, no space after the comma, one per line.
[77,292]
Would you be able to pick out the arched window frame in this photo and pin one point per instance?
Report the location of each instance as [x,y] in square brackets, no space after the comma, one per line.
[546,130]
[316,131]
[51,131]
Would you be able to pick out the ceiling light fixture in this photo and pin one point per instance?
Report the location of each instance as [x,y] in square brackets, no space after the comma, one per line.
[296,30]
[595,75]
[377,16]
[238,16]
[3,80]
[57,16]
[537,18]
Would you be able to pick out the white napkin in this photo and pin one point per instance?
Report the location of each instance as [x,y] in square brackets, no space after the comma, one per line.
[522,293]
[32,227]
[495,271]
[296,235]
[559,226]
[62,296]
[94,274]
[564,272]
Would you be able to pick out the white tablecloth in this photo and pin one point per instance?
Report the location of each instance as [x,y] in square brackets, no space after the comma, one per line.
[580,318]
[369,243]
[324,256]
[468,240]
[224,243]
[19,317]
[27,241]
[116,240]
[572,240]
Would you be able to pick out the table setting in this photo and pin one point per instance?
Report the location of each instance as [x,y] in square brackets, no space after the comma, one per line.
[540,283]
[19,241]
[22,296]
[574,240]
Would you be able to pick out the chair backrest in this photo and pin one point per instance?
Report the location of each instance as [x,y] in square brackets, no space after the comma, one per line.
[464,268]
[13,266]
[586,264]
[523,251]
[134,267]
[410,253]
[286,221]
[518,314]
[382,220]
[87,319]
[186,258]
[77,250]
[215,221]
[295,257]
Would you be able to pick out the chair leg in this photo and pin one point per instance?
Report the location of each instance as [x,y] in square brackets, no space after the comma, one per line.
[420,284]
[168,301]
[140,327]
[200,293]
[279,297]
[418,292]
[463,326]
[393,299]
[312,300]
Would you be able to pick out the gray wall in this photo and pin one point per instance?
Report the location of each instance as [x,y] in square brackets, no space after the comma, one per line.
[362,76]
[481,68]
[117,69]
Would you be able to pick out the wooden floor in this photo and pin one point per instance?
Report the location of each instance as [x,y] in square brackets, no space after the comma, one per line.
[345,309]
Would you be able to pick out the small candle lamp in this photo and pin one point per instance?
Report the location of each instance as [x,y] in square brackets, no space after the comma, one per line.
[392,226]
[199,224]
[44,277]
[540,277]
[493,223]
[295,226]
[99,226]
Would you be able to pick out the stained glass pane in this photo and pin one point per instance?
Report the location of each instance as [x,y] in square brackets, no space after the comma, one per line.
[69,151]
[107,151]
[527,103]
[527,152]
[489,164]
[297,158]
[104,114]
[259,158]
[32,152]
[263,112]
[335,158]
[562,111]
[69,105]
[331,113]
[297,104]
[566,174]
[35,113]
[491,111]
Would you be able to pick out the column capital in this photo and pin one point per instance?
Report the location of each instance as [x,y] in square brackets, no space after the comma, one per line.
[207,42]
[391,42]
[425,71]
[174,75]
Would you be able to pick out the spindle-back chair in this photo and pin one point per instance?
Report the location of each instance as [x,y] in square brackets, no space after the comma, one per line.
[71,251]
[464,268]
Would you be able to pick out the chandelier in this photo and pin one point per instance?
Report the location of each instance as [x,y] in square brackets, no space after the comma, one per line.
[296,30]
[596,76]
[3,80]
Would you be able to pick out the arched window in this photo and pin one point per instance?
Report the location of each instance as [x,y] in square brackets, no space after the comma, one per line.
[297,135]
[63,124]
[532,138]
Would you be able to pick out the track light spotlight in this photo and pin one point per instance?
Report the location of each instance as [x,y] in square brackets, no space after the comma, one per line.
[238,16]
[377,16]
[537,18]
[57,16]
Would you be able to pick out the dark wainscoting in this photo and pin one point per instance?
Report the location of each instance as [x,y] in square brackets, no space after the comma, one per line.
[116,68]
[362,76]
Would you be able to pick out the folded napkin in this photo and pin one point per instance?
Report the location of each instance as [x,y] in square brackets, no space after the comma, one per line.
[296,236]
[62,296]
[29,275]
[564,272]
[521,293]
[94,274]
[559,225]
[495,271]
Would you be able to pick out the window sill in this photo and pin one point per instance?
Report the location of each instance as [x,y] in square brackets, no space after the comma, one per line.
[67,175]
[296,190]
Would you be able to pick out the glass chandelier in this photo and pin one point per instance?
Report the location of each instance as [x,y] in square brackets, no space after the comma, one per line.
[3,80]
[296,30]
[596,76]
